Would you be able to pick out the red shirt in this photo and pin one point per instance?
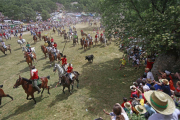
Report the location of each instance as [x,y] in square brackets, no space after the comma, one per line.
[52,40]
[4,34]
[171,85]
[149,64]
[69,69]
[101,34]
[0,34]
[64,61]
[55,45]
[35,74]
[39,32]
[96,36]
[81,30]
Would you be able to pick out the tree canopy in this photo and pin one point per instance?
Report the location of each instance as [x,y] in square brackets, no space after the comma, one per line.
[155,22]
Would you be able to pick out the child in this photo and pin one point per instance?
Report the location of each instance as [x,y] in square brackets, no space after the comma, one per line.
[123,63]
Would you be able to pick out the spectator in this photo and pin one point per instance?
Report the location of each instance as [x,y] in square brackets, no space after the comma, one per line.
[149,64]
[163,104]
[145,87]
[124,101]
[123,63]
[128,108]
[149,109]
[141,109]
[149,74]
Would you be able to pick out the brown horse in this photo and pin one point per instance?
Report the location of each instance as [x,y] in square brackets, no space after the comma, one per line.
[95,23]
[65,36]
[90,42]
[66,82]
[85,44]
[7,48]
[52,57]
[28,58]
[35,39]
[82,42]
[83,34]
[44,50]
[96,41]
[27,86]
[62,32]
[39,35]
[54,30]
[2,94]
[75,40]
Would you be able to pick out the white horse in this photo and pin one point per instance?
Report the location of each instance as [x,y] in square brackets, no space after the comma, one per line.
[25,49]
[21,42]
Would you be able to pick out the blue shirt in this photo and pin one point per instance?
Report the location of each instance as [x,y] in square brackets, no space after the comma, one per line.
[157,87]
[149,109]
[166,89]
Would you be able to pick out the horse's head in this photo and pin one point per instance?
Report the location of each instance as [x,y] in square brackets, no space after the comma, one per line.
[55,67]
[18,82]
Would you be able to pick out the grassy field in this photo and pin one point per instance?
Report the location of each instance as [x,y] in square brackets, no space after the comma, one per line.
[101,83]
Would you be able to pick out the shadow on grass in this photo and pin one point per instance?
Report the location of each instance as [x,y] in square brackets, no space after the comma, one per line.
[25,69]
[2,55]
[21,62]
[24,108]
[107,84]
[18,49]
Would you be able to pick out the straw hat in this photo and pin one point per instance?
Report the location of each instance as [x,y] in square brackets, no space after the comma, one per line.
[160,101]
[127,105]
[165,81]
[146,69]
[141,109]
[148,81]
[132,88]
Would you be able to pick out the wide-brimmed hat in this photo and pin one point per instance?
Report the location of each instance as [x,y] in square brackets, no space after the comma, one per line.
[146,69]
[132,88]
[141,109]
[160,101]
[165,81]
[127,105]
[149,81]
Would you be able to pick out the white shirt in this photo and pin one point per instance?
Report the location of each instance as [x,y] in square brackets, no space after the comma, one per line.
[150,76]
[146,88]
[137,61]
[173,116]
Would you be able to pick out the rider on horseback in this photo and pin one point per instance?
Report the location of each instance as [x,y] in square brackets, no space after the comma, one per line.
[34,33]
[64,61]
[54,50]
[27,45]
[69,71]
[4,46]
[29,51]
[35,77]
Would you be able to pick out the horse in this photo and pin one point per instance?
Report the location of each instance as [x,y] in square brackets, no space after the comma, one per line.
[82,42]
[96,41]
[35,39]
[2,94]
[90,42]
[75,40]
[29,59]
[103,40]
[39,35]
[62,32]
[27,86]
[21,42]
[85,44]
[65,36]
[54,30]
[74,28]
[44,50]
[7,48]
[52,57]
[83,34]
[66,82]
[95,23]
[24,49]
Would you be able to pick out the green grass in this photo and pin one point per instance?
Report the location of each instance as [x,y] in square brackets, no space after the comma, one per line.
[101,86]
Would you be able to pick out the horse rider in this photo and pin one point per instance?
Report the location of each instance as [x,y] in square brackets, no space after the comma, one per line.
[101,35]
[64,61]
[55,45]
[54,50]
[29,51]
[46,44]
[52,40]
[96,36]
[4,46]
[34,34]
[27,45]
[34,78]
[69,71]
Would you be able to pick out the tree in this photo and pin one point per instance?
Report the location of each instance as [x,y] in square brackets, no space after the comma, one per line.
[45,15]
[154,23]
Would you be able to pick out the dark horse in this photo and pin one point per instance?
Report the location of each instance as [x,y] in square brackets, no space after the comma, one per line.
[35,39]
[66,82]
[44,50]
[2,94]
[27,86]
[28,58]
[54,30]
[7,48]
[82,41]
[52,57]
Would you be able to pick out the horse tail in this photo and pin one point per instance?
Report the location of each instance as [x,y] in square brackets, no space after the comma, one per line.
[48,77]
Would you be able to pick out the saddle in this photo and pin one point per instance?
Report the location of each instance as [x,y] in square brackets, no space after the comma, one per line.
[39,82]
